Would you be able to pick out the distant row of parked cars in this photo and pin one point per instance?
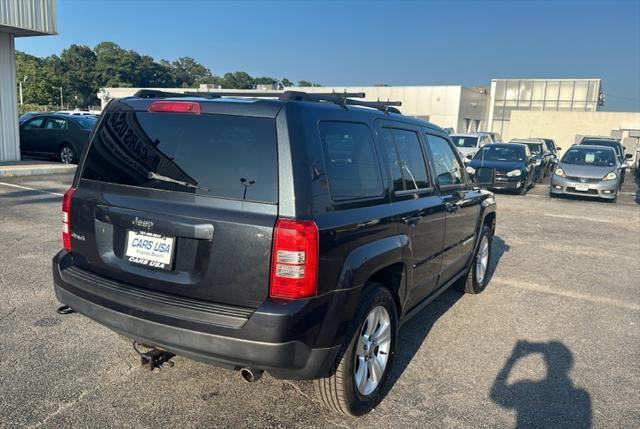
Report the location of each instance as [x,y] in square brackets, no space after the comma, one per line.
[595,167]
[59,135]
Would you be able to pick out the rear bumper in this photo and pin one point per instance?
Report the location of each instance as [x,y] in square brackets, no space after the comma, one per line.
[231,345]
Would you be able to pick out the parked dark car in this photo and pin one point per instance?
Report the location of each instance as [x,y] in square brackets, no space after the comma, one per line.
[541,154]
[555,154]
[28,115]
[291,235]
[515,167]
[60,137]
[551,145]
[617,146]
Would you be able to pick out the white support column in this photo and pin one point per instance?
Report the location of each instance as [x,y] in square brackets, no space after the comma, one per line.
[9,133]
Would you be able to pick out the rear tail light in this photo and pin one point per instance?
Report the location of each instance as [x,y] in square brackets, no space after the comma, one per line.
[66,218]
[294,260]
[175,107]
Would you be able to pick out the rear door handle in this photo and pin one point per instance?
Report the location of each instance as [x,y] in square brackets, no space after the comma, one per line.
[412,220]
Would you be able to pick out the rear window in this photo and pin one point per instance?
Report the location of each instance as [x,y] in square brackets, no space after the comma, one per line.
[86,122]
[352,165]
[594,142]
[464,141]
[214,155]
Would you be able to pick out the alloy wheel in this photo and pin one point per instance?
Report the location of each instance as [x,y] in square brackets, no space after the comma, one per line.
[372,350]
[482,259]
[66,155]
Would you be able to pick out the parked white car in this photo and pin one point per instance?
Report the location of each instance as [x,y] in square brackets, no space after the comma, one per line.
[469,143]
[78,112]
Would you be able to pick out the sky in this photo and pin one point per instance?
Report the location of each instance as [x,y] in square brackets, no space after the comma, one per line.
[377,42]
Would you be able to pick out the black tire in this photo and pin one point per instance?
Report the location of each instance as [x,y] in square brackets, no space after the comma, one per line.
[470,283]
[338,391]
[540,178]
[523,190]
[67,154]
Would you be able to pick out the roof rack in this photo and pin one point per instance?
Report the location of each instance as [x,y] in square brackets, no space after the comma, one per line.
[341,98]
[156,93]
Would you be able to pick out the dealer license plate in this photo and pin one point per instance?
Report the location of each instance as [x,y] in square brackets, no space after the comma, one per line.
[151,250]
[582,187]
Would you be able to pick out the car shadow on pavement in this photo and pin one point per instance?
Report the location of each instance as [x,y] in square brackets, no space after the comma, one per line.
[498,248]
[414,332]
[553,402]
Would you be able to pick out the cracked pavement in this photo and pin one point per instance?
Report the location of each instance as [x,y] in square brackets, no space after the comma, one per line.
[561,315]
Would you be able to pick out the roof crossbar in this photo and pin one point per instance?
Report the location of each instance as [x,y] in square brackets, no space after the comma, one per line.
[343,99]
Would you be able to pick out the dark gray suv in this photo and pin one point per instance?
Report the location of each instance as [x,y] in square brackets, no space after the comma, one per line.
[291,235]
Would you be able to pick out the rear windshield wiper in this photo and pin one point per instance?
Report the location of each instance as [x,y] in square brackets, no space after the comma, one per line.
[155,176]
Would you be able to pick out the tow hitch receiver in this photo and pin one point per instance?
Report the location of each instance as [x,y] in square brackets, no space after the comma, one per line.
[154,357]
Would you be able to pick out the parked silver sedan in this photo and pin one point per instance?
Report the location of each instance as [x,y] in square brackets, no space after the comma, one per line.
[590,171]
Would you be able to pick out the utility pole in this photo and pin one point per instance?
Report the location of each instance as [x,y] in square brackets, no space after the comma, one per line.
[24,79]
[61,100]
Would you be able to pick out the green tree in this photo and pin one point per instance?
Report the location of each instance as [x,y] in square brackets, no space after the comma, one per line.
[286,82]
[307,83]
[187,71]
[265,81]
[77,71]
[111,68]
[238,80]
[211,80]
[38,87]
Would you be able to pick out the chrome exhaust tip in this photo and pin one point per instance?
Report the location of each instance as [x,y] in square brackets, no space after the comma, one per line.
[251,375]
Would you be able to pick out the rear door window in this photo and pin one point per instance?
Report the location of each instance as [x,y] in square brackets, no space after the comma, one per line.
[56,124]
[215,155]
[447,168]
[408,167]
[351,162]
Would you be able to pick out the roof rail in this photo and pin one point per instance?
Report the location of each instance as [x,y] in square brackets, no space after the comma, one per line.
[155,93]
[341,98]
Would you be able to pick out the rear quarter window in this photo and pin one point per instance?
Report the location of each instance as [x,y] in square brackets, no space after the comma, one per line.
[351,162]
[233,157]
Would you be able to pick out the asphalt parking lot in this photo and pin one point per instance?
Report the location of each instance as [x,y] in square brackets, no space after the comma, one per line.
[553,342]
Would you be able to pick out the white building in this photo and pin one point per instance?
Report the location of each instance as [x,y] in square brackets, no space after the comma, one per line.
[18,18]
[546,95]
[449,106]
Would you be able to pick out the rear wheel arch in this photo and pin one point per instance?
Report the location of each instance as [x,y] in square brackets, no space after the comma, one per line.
[392,277]
[490,221]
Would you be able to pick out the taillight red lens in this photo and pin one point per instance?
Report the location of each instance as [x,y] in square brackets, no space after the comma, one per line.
[175,107]
[66,218]
[294,259]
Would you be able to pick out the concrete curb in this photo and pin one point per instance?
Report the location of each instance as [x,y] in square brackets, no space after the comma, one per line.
[32,170]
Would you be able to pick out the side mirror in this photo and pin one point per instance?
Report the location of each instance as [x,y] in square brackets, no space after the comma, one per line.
[470,156]
[624,165]
[558,148]
[628,156]
[485,177]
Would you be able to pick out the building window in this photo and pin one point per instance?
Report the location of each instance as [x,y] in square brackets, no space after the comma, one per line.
[537,95]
